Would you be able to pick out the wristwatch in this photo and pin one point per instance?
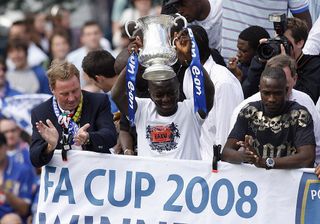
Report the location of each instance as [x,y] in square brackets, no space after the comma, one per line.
[270,163]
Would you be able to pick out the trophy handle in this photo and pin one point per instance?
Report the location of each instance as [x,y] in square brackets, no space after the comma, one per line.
[176,24]
[127,25]
[182,18]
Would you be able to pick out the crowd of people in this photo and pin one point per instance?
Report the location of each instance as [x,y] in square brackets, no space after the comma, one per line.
[261,111]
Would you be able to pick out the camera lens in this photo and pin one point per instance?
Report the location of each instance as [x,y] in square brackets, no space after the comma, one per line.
[265,51]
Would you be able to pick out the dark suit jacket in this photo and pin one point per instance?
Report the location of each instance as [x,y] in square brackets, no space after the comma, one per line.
[308,69]
[95,111]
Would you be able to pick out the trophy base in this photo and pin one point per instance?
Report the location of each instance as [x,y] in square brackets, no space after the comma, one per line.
[158,72]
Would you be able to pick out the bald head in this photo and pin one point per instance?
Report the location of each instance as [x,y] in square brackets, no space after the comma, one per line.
[11,218]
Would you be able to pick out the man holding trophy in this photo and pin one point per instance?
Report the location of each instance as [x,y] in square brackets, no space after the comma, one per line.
[166,128]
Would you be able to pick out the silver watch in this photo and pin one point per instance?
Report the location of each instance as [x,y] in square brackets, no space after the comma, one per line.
[270,163]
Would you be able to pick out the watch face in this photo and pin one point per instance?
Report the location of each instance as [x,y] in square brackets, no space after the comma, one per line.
[270,162]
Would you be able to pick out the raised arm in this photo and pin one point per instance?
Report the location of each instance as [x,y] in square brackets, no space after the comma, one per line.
[183,47]
[304,16]
[119,93]
[250,85]
[44,140]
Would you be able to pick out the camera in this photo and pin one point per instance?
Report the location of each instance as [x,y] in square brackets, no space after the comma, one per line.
[272,48]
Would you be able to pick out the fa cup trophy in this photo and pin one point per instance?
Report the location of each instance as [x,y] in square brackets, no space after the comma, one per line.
[158,52]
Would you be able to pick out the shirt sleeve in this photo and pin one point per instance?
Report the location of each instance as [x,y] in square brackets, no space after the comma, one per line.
[189,105]
[234,117]
[240,128]
[305,131]
[298,6]
[141,105]
[104,136]
[225,92]
[312,45]
[38,144]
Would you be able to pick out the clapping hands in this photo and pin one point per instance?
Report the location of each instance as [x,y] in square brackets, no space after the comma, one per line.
[48,132]
[249,154]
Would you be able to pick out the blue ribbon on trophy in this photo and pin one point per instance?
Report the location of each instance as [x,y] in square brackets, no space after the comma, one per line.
[197,77]
[131,73]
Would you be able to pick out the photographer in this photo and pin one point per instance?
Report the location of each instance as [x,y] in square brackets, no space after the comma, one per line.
[248,42]
[266,50]
[308,66]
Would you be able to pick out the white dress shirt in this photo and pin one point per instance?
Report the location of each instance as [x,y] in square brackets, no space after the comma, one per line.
[228,94]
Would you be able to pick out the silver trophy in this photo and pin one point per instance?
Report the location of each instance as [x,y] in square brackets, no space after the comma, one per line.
[158,53]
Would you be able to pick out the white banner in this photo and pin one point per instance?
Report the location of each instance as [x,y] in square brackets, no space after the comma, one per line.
[103,189]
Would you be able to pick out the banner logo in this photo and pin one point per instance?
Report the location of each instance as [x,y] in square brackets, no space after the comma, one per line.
[308,202]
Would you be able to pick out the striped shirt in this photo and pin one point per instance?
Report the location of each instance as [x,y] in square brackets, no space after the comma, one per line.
[240,14]
[212,24]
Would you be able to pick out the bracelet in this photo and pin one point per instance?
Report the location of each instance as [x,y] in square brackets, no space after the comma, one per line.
[127,150]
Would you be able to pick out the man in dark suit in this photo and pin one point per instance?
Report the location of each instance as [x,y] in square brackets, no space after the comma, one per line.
[71,119]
